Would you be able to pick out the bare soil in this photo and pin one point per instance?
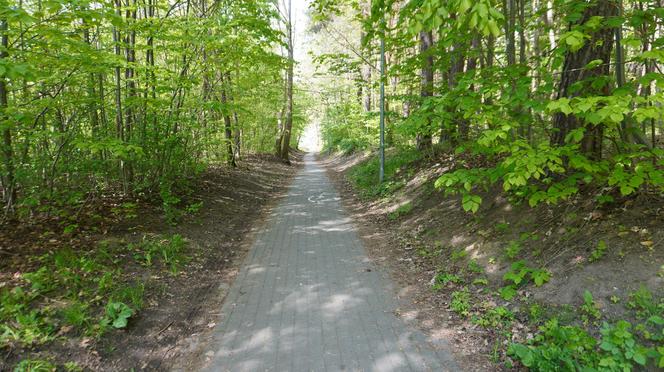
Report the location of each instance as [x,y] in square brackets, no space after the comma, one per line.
[437,236]
[179,310]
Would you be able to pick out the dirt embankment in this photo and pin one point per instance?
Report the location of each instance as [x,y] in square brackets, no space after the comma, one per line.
[179,309]
[611,251]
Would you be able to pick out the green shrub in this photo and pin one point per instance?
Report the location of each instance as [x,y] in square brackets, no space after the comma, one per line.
[518,275]
[461,302]
[443,278]
[346,128]
[34,365]
[571,348]
[117,314]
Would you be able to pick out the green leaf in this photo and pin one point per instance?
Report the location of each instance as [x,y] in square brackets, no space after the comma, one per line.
[639,358]
[507,292]
[540,277]
[594,63]
[523,353]
[118,314]
[471,202]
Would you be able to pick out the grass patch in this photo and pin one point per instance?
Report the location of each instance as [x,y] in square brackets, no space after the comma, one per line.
[401,211]
[365,174]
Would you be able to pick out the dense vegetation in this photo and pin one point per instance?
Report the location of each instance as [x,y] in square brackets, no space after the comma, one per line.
[550,96]
[132,96]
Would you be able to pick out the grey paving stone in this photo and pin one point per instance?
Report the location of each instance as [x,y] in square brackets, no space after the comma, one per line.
[308,299]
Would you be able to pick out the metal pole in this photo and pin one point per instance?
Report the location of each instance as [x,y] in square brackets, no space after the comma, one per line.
[382,104]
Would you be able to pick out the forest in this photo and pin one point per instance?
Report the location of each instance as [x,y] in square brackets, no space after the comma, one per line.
[524,154]
[132,96]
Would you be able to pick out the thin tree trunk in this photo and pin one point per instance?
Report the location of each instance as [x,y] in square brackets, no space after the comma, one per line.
[228,130]
[288,125]
[8,179]
[426,88]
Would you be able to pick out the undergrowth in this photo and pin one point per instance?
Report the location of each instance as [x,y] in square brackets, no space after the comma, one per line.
[81,293]
[365,176]
[564,338]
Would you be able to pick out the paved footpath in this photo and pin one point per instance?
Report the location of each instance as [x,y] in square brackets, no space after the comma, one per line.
[308,299]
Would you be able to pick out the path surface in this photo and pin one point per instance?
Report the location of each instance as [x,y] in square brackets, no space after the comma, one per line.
[308,299]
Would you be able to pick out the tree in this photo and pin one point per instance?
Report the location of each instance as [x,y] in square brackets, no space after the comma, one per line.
[579,80]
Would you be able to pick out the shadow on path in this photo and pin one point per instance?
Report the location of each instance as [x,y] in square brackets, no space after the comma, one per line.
[308,299]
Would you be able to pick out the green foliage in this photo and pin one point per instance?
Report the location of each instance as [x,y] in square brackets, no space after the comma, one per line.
[117,314]
[460,303]
[621,346]
[73,367]
[365,175]
[169,251]
[495,317]
[34,365]
[502,227]
[475,267]
[643,302]
[169,203]
[557,347]
[126,211]
[589,309]
[598,252]
[458,254]
[347,129]
[571,348]
[74,129]
[513,250]
[518,275]
[481,281]
[75,314]
[535,313]
[94,291]
[442,279]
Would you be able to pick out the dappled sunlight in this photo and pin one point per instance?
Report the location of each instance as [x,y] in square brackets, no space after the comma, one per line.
[389,362]
[337,304]
[308,297]
[459,239]
[410,315]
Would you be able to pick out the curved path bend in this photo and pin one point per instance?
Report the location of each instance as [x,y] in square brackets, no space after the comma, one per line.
[307,298]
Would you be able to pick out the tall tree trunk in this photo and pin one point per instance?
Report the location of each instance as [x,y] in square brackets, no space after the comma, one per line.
[522,32]
[228,130]
[510,20]
[130,79]
[459,130]
[119,127]
[549,23]
[426,88]
[288,124]
[92,94]
[366,53]
[8,179]
[574,73]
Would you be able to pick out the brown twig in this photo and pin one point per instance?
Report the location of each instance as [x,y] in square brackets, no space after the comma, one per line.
[165,328]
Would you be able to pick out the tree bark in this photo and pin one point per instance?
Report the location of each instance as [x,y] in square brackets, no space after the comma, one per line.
[8,179]
[225,87]
[574,72]
[288,125]
[423,139]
